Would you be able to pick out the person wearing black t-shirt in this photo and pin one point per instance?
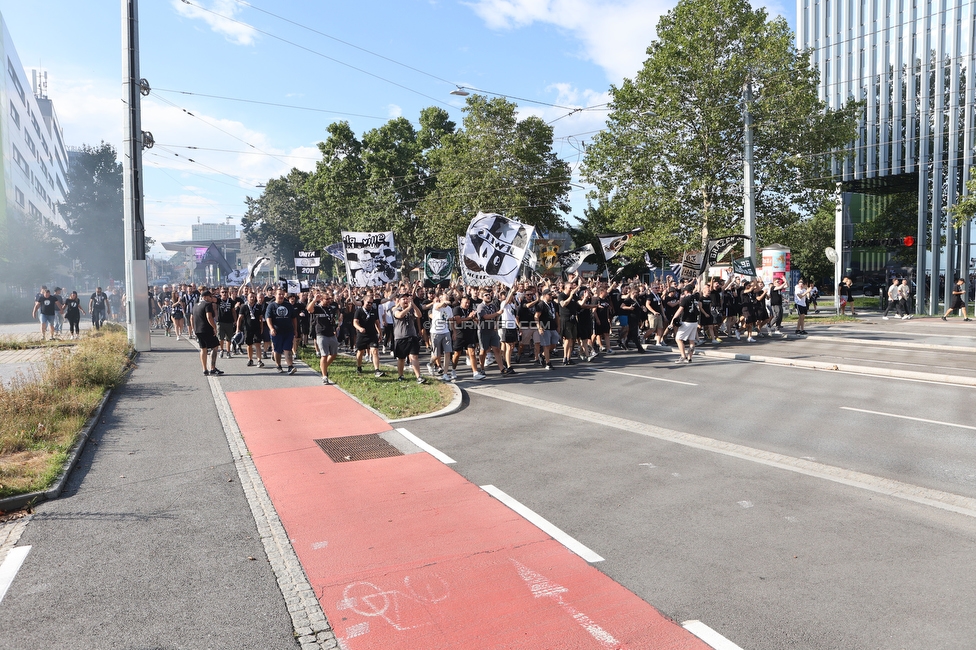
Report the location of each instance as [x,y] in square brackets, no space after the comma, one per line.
[250,321]
[546,322]
[466,336]
[687,319]
[281,318]
[369,330]
[72,313]
[601,323]
[48,306]
[654,306]
[226,318]
[630,306]
[569,309]
[98,307]
[324,321]
[205,328]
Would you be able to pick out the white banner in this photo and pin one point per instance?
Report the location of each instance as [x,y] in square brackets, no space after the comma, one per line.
[370,258]
[496,246]
[472,278]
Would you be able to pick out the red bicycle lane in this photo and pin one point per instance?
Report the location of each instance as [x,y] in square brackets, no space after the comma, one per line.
[403,552]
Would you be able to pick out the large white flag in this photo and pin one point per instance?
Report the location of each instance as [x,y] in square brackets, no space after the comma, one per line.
[370,258]
[495,245]
[614,242]
[472,278]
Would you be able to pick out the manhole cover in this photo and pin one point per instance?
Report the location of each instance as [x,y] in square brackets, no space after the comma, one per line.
[349,448]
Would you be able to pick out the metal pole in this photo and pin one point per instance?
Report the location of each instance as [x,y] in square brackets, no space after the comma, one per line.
[136,280]
[749,179]
[838,243]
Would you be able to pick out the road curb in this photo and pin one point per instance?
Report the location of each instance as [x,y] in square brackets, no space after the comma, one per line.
[858,370]
[893,344]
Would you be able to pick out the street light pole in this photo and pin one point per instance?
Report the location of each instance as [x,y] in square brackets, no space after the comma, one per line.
[136,280]
[749,177]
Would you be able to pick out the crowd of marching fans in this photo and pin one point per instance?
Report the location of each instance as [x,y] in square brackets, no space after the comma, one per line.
[542,322]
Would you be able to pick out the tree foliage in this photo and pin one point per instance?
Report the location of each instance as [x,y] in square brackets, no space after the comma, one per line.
[93,212]
[671,157]
[273,220]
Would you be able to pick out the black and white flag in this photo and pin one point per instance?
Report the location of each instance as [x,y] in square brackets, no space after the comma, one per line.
[572,260]
[337,251]
[647,262]
[370,258]
[495,245]
[614,243]
[472,278]
[307,263]
[438,267]
[744,266]
[691,265]
[254,268]
[717,248]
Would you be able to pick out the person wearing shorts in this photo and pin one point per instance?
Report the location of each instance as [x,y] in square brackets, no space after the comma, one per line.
[509,330]
[526,316]
[205,329]
[687,319]
[488,312]
[324,321]
[545,318]
[369,330]
[406,335]
[466,337]
[48,306]
[250,321]
[800,295]
[281,318]
[226,327]
[441,315]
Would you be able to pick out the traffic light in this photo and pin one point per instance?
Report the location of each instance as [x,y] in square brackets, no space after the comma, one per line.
[908,241]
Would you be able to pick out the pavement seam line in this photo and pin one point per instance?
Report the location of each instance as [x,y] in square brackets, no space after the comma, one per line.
[925,496]
[311,628]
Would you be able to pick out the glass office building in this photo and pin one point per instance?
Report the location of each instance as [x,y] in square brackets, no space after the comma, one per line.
[910,63]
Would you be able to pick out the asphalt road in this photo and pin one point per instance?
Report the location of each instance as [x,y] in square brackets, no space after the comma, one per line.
[769,557]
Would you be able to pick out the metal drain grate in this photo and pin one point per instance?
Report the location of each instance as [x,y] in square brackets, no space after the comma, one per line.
[350,448]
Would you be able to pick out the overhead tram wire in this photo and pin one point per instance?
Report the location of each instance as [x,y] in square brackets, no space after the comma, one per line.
[214,126]
[319,54]
[237,151]
[254,101]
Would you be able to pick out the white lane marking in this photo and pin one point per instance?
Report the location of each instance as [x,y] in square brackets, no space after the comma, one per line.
[889,343]
[709,636]
[543,524]
[745,504]
[542,587]
[858,373]
[908,417]
[651,465]
[632,374]
[897,489]
[11,565]
[439,455]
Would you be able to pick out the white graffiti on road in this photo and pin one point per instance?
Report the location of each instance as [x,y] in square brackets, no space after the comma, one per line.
[403,609]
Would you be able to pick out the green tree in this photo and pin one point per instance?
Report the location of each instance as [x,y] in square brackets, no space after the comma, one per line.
[273,220]
[671,157]
[495,163]
[30,249]
[336,189]
[93,212]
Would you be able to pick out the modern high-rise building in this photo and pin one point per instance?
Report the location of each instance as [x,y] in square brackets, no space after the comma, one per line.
[202,231]
[910,62]
[34,158]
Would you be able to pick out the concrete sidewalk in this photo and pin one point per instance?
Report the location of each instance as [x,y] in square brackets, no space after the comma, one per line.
[153,544]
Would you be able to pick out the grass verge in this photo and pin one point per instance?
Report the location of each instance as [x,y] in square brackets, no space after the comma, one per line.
[390,397]
[12,342]
[41,416]
[822,318]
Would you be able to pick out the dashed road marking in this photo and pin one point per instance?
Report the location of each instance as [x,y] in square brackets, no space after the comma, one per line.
[634,374]
[439,455]
[11,565]
[908,417]
[709,636]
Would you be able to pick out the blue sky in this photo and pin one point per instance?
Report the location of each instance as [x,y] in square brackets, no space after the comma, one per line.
[564,52]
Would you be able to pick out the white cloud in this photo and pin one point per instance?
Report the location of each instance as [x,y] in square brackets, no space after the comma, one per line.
[393,111]
[220,16]
[614,33]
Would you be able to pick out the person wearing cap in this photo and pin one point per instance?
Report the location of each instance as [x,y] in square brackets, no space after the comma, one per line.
[548,327]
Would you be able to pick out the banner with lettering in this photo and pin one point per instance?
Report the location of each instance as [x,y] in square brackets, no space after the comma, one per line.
[370,258]
[495,245]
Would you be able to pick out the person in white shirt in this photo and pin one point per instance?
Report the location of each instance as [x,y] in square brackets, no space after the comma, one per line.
[441,316]
[800,295]
[509,329]
[386,320]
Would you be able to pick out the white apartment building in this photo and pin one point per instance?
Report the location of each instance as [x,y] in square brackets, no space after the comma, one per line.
[911,62]
[34,158]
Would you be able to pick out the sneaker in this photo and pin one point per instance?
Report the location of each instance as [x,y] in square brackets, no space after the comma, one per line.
[206,373]
[750,340]
[430,369]
[511,372]
[250,362]
[608,351]
[280,369]
[886,318]
[379,373]
[679,360]
[325,381]
[215,371]
[260,363]
[906,317]
[221,356]
[737,336]
[438,371]
[717,340]
[421,380]
[400,378]
[292,370]
[479,376]
[453,376]
[548,366]
[359,370]
[688,358]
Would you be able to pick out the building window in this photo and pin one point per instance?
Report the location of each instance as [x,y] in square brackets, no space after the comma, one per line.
[12,71]
[37,128]
[33,210]
[64,194]
[30,144]
[19,194]
[14,115]
[20,161]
